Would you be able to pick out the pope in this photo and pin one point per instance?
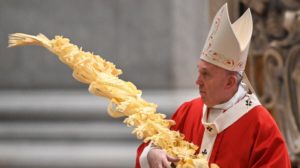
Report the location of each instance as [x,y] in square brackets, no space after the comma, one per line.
[227,121]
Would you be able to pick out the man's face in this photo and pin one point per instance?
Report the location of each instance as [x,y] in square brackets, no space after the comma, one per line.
[211,81]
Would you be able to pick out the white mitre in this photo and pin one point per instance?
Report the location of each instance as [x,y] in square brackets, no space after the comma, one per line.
[227,44]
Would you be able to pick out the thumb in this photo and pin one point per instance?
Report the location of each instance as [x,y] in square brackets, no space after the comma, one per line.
[172,159]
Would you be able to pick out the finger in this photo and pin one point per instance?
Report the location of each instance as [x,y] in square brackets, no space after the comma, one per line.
[166,164]
[159,166]
[172,159]
[156,166]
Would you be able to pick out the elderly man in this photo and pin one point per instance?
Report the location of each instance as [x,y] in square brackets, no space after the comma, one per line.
[227,122]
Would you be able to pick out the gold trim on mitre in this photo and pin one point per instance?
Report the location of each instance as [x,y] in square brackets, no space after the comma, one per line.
[227,44]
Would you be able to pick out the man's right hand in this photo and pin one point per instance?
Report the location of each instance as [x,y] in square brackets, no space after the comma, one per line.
[158,158]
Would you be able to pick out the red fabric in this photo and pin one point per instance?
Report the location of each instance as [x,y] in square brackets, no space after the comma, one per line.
[254,141]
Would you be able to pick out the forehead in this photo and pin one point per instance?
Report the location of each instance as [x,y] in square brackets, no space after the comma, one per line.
[203,65]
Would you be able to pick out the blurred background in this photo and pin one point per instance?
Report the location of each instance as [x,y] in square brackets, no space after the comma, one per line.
[49,120]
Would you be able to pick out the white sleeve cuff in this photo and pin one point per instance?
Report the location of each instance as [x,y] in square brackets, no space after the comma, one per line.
[143,158]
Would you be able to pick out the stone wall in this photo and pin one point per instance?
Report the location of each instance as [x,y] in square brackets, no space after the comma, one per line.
[156,43]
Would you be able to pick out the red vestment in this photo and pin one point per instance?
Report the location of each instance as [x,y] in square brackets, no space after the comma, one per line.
[253,141]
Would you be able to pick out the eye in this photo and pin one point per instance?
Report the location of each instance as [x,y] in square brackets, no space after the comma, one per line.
[204,73]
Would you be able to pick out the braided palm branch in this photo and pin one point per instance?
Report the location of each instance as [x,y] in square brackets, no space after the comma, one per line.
[124,98]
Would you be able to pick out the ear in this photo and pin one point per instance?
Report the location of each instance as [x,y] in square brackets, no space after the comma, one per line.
[231,81]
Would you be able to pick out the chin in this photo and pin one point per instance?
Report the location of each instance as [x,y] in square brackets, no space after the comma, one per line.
[206,103]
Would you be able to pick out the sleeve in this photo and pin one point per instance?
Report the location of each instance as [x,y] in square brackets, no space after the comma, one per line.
[139,152]
[269,149]
[141,156]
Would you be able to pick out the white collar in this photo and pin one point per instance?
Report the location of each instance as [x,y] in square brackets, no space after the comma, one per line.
[235,112]
[242,104]
[241,92]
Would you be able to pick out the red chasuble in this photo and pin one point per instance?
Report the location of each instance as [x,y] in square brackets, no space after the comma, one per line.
[253,141]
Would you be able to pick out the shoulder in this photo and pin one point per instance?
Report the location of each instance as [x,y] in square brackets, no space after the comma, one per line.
[257,112]
[264,122]
[261,115]
[190,111]
[192,103]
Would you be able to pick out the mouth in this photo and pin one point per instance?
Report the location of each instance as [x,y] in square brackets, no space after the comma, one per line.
[202,92]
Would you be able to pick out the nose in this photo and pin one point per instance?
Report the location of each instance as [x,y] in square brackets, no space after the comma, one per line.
[199,80]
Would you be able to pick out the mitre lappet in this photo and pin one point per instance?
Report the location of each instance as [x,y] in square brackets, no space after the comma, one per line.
[227,44]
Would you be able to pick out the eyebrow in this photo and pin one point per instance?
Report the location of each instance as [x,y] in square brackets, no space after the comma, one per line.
[201,67]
